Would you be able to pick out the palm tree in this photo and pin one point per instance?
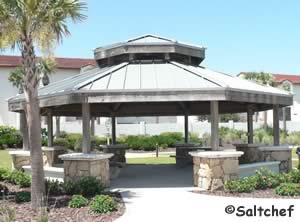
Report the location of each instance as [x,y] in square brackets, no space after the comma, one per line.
[16,77]
[28,24]
[261,78]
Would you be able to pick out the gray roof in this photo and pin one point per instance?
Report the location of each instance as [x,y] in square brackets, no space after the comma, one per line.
[155,77]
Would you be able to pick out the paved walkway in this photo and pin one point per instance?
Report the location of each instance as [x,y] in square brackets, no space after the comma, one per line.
[157,193]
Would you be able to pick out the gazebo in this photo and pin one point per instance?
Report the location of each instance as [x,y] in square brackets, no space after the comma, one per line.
[154,76]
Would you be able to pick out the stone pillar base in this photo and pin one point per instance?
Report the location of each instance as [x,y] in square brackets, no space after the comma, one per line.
[213,168]
[77,165]
[278,153]
[20,158]
[51,155]
[119,151]
[251,153]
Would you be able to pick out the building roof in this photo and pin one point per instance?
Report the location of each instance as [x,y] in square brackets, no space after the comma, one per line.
[62,63]
[156,82]
[295,79]
[279,78]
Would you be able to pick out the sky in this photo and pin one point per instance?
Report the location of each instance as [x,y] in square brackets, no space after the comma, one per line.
[240,35]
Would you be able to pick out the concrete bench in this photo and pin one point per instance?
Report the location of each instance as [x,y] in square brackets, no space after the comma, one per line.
[250,168]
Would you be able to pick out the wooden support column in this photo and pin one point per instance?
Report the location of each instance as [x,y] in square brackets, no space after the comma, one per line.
[93,126]
[24,131]
[250,125]
[57,126]
[186,128]
[113,129]
[50,128]
[86,137]
[276,129]
[214,118]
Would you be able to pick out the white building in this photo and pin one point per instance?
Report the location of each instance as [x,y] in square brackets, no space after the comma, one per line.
[66,67]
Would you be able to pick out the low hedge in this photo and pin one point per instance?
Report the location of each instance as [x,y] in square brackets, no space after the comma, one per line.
[284,184]
[103,204]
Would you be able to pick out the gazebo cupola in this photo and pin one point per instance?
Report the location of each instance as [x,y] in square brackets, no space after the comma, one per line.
[149,48]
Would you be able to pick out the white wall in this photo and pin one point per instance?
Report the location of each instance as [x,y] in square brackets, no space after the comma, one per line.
[7,91]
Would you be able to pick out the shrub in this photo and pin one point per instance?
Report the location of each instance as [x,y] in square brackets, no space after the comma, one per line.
[10,137]
[72,139]
[103,204]
[288,189]
[293,176]
[69,187]
[266,179]
[3,173]
[245,185]
[22,196]
[20,178]
[86,186]
[78,201]
[54,187]
[61,142]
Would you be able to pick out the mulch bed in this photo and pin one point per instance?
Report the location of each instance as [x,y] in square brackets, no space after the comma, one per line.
[268,193]
[58,210]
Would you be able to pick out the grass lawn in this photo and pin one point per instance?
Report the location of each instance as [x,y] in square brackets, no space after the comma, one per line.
[5,159]
[151,160]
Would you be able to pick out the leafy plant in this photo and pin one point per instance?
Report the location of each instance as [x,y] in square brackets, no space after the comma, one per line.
[54,187]
[20,178]
[10,137]
[245,185]
[288,189]
[266,179]
[103,204]
[86,186]
[293,176]
[78,201]
[22,196]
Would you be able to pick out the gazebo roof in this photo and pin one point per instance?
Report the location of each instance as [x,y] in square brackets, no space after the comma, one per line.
[166,87]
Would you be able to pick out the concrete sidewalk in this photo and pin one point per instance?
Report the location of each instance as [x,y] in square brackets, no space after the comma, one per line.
[164,193]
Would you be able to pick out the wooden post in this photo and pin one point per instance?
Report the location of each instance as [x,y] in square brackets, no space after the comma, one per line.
[24,131]
[214,113]
[276,130]
[113,130]
[86,137]
[250,125]
[50,128]
[284,120]
[57,126]
[93,126]
[186,128]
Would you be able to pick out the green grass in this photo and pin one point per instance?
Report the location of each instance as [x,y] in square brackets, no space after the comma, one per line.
[151,160]
[5,159]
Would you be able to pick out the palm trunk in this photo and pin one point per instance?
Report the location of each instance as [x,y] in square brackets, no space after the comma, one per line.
[33,122]
[24,131]
[265,119]
[57,125]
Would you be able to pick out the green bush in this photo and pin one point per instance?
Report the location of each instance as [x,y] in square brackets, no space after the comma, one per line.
[10,137]
[293,176]
[22,196]
[18,177]
[103,204]
[73,139]
[266,179]
[4,173]
[54,187]
[61,142]
[245,185]
[86,186]
[288,189]
[78,201]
